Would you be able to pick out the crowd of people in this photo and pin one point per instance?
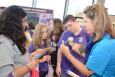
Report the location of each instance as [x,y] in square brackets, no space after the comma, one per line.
[83,45]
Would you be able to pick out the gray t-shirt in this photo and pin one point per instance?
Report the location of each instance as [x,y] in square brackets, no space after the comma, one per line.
[10,57]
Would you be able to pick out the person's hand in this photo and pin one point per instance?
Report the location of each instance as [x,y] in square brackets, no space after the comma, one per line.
[33,63]
[58,71]
[45,58]
[38,51]
[33,54]
[41,51]
[64,49]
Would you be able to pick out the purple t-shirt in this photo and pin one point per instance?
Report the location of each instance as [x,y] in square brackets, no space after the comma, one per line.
[81,38]
[44,65]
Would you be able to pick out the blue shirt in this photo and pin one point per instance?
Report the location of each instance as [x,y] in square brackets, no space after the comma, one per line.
[80,38]
[102,58]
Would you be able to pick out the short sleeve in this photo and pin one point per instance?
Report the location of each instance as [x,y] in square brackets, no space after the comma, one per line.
[31,48]
[98,60]
[6,59]
[63,36]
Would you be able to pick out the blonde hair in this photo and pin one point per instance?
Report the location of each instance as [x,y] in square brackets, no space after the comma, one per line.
[98,13]
[37,36]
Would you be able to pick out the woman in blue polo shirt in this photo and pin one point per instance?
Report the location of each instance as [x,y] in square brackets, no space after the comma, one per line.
[101,62]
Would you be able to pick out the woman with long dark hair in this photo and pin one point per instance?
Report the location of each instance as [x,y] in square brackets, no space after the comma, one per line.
[14,60]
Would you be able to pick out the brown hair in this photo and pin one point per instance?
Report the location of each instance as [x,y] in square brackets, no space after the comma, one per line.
[37,36]
[58,29]
[58,25]
[99,15]
[69,18]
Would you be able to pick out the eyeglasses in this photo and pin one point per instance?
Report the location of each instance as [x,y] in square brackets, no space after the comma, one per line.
[79,21]
[82,21]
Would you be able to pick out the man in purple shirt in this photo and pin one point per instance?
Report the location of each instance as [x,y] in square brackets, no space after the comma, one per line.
[75,34]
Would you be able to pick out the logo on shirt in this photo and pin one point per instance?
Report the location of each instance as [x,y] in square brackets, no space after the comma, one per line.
[70,39]
[80,40]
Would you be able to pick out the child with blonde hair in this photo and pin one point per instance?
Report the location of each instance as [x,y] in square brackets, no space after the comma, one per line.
[40,43]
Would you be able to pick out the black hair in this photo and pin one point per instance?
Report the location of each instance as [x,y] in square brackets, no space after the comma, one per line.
[11,26]
[31,25]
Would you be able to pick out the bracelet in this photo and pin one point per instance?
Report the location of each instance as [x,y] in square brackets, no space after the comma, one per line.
[28,66]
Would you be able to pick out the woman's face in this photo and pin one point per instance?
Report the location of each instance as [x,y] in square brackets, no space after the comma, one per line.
[89,25]
[44,33]
[24,22]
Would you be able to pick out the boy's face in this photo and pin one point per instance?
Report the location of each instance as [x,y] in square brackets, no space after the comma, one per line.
[71,26]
